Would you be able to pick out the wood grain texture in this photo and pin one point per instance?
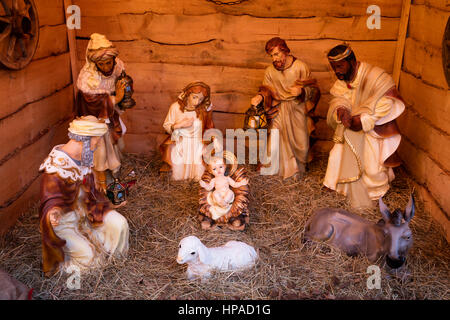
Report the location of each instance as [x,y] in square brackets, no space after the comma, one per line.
[142,143]
[260,8]
[186,29]
[430,102]
[9,215]
[432,207]
[424,61]
[426,137]
[402,30]
[428,24]
[437,4]
[163,78]
[21,128]
[40,79]
[425,171]
[24,167]
[52,41]
[50,12]
[246,55]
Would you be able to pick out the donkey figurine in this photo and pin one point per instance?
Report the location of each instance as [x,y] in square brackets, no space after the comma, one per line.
[354,235]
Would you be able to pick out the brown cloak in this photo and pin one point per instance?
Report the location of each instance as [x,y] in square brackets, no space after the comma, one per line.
[62,193]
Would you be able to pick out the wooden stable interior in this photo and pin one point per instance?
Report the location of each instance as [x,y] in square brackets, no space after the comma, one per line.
[167,44]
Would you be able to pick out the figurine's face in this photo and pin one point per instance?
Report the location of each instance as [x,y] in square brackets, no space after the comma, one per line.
[218,167]
[195,99]
[106,66]
[188,250]
[399,240]
[343,69]
[278,58]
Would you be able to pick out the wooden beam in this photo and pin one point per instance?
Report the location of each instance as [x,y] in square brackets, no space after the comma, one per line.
[404,19]
[71,37]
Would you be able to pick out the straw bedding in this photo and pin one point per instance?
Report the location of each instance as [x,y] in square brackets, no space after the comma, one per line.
[161,212]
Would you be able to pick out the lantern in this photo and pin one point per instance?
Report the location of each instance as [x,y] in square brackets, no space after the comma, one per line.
[255,118]
[116,192]
[127,101]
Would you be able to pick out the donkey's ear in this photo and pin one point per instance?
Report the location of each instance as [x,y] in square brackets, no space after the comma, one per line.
[410,209]
[385,213]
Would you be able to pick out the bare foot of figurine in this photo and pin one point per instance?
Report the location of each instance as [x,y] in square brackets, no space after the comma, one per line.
[236,226]
[206,225]
[165,168]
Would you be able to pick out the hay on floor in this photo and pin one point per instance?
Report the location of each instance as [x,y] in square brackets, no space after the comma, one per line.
[161,212]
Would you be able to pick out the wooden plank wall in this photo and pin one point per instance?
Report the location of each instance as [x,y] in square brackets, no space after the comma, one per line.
[426,123]
[35,107]
[167,44]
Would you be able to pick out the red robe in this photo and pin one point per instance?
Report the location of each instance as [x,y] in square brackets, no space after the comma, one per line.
[62,193]
[100,106]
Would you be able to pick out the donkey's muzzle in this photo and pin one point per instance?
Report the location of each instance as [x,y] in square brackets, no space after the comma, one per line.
[395,263]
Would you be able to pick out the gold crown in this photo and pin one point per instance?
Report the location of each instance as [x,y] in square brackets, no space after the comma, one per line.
[342,55]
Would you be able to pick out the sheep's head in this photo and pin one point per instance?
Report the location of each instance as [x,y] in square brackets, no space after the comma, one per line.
[188,250]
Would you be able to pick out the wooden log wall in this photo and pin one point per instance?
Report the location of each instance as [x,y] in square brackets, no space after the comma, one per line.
[167,44]
[36,105]
[426,122]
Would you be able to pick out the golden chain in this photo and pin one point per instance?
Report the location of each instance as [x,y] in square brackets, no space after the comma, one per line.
[358,160]
[230,3]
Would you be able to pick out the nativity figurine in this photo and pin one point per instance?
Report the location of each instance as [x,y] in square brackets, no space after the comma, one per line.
[187,120]
[289,96]
[220,204]
[202,261]
[390,237]
[363,114]
[104,91]
[79,225]
[12,289]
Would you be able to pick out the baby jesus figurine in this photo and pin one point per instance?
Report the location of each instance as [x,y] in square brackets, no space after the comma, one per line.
[222,194]
[224,198]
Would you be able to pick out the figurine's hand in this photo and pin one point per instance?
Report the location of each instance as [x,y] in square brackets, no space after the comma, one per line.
[340,113]
[356,124]
[347,120]
[296,90]
[344,116]
[55,216]
[120,90]
[256,100]
[120,205]
[244,182]
[207,186]
[184,123]
[203,184]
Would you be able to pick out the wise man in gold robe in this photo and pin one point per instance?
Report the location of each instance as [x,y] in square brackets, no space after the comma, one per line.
[288,93]
[98,95]
[363,113]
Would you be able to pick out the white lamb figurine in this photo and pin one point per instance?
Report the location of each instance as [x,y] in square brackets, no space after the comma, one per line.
[234,255]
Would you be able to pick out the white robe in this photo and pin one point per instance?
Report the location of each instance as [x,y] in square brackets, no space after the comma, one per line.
[187,155]
[344,174]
